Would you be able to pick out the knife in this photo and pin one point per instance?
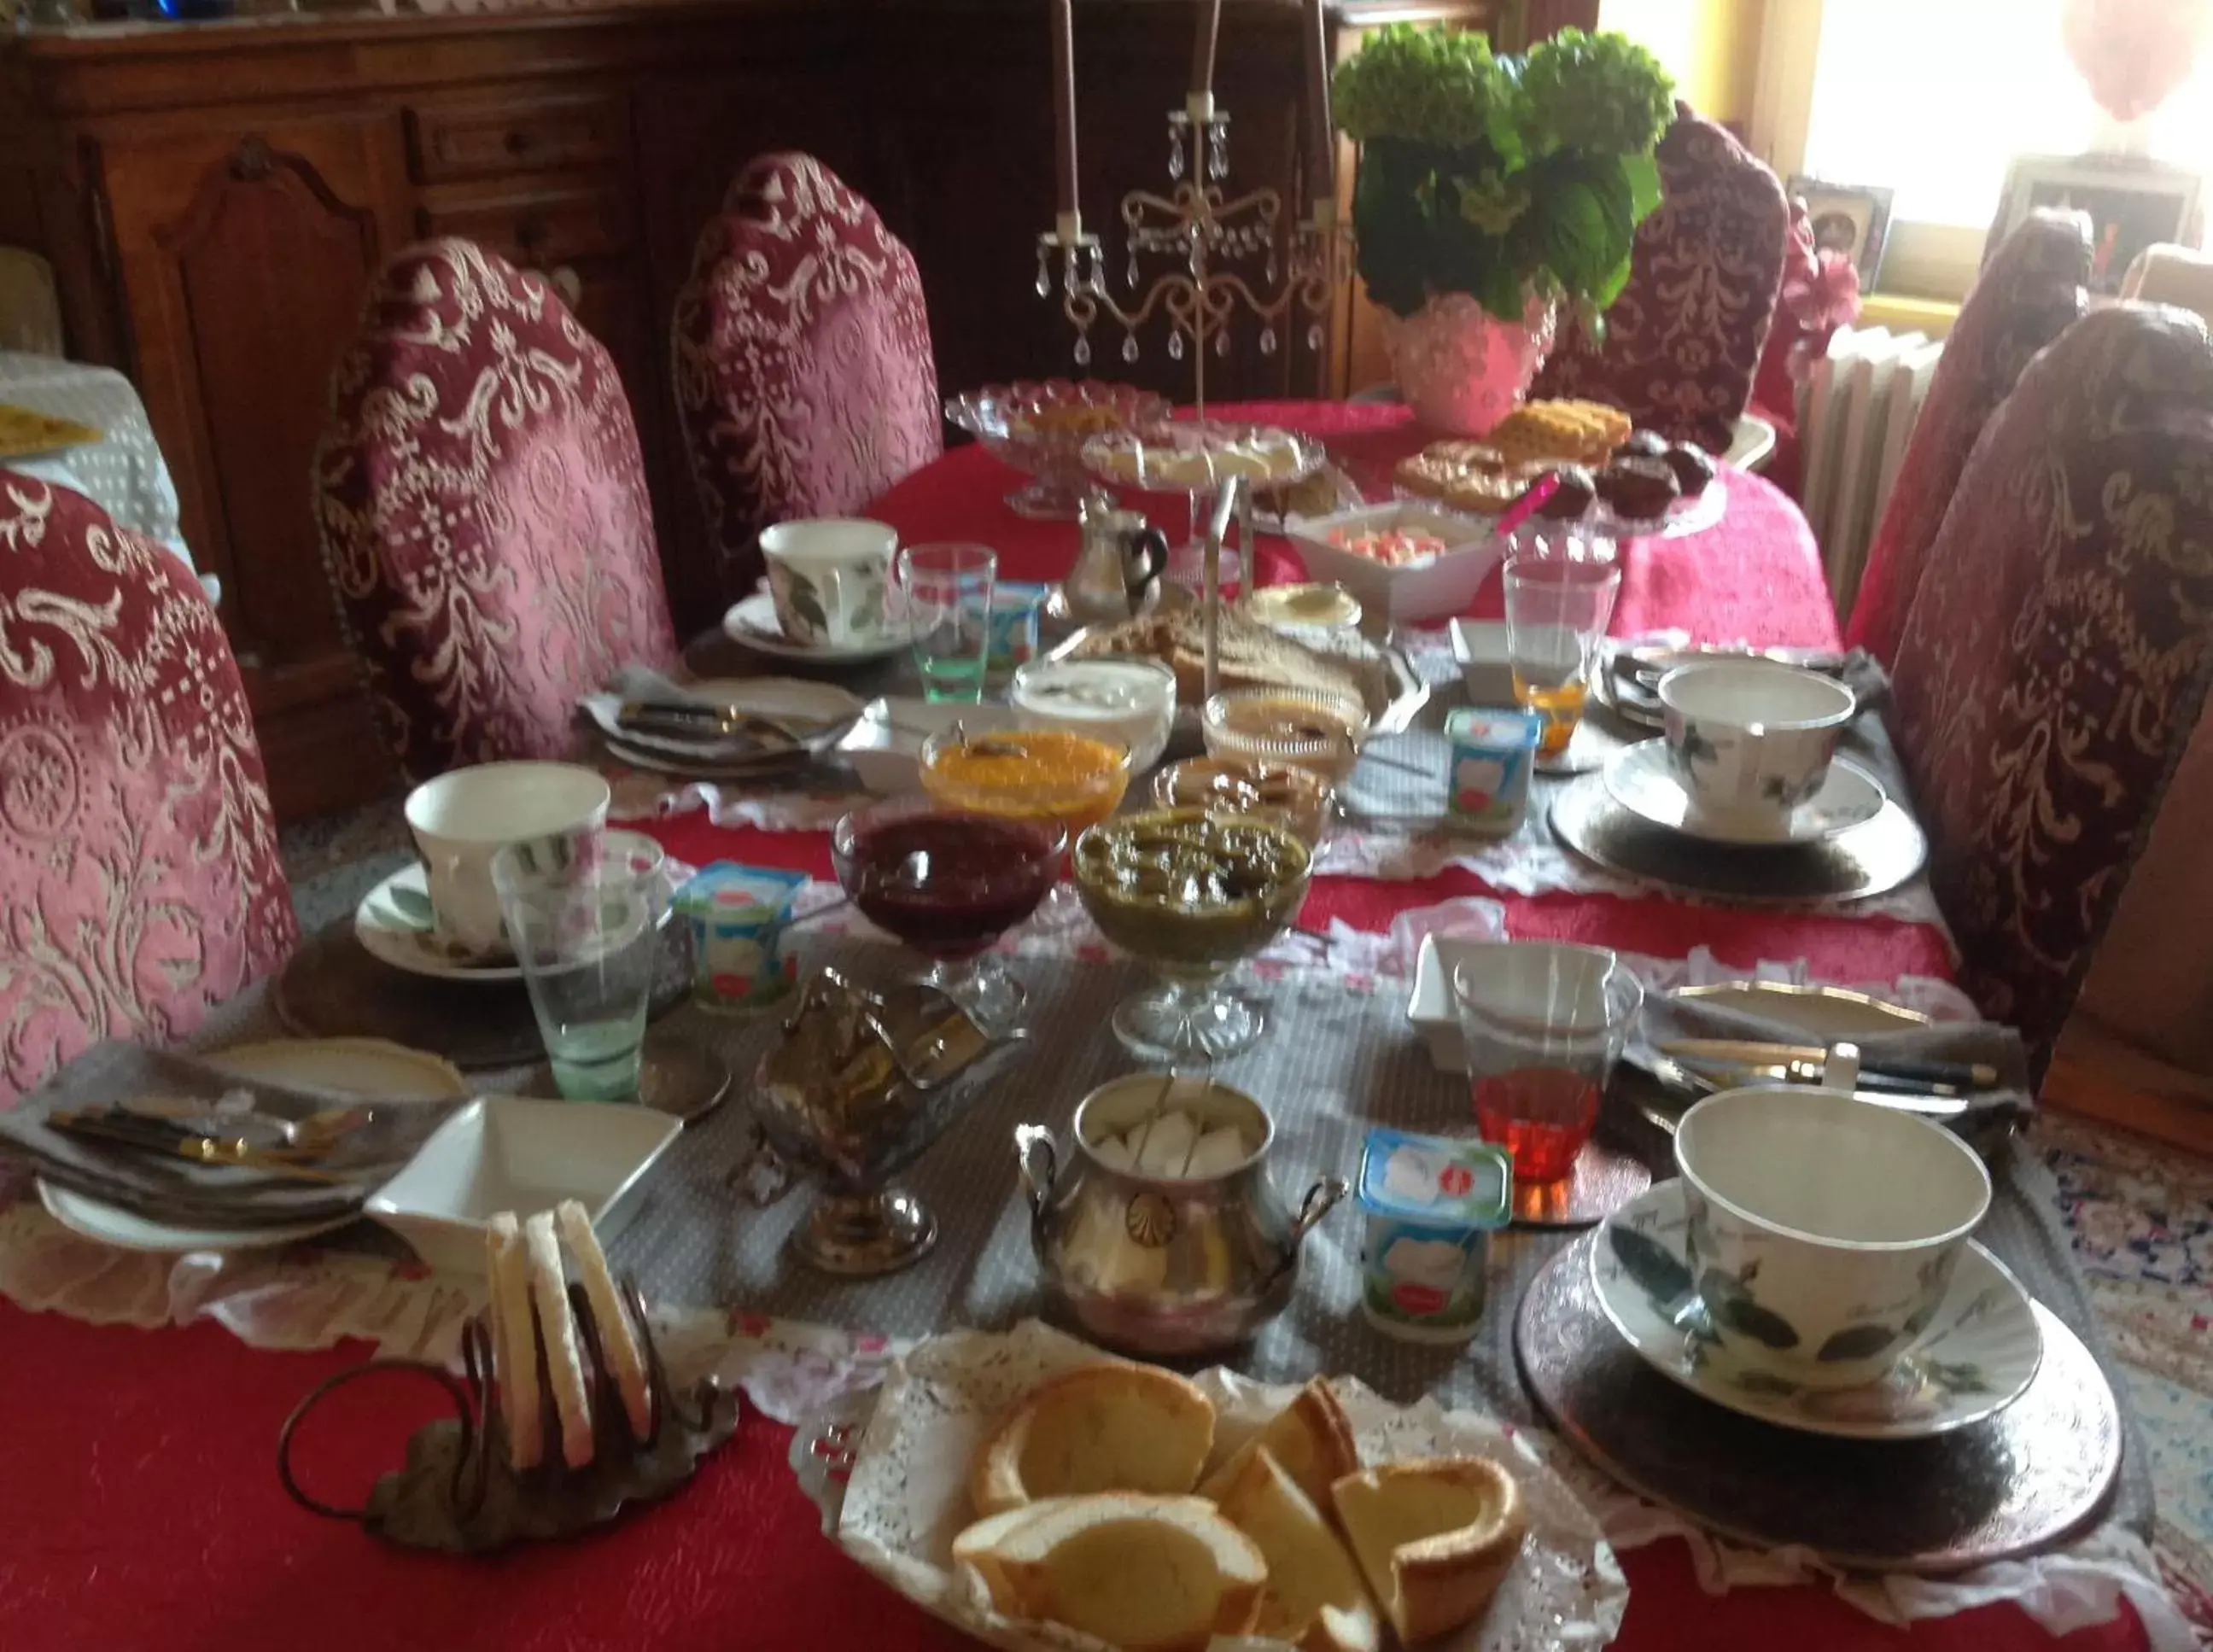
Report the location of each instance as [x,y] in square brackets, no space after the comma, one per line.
[1958,1076]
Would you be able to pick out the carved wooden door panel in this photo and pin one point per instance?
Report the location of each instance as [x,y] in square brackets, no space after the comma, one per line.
[245,255]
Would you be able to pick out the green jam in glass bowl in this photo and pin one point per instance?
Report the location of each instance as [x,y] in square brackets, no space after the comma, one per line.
[1189,890]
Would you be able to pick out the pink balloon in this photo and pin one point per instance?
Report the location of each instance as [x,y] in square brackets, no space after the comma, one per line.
[2134,53]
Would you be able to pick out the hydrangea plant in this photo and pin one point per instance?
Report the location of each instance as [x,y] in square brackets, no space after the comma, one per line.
[1499,176]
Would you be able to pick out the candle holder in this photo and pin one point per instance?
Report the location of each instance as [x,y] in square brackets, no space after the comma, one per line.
[1215,239]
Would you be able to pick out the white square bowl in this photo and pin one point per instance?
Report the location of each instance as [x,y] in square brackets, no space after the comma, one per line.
[885,746]
[1486,660]
[1430,1006]
[1430,590]
[512,1153]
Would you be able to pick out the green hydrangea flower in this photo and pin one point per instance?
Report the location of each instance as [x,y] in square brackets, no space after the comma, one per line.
[1598,92]
[1492,203]
[1426,85]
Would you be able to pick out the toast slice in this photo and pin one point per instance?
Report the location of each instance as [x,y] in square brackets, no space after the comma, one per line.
[1108,1427]
[1433,1536]
[1315,1599]
[1146,1573]
[1311,1439]
[1252,656]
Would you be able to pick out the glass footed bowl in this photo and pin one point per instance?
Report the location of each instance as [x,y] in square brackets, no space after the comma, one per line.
[1313,728]
[1191,893]
[1041,428]
[949,883]
[1297,798]
[1028,774]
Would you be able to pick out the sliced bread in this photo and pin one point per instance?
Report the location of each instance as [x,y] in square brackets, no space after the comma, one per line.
[1435,1537]
[1146,1573]
[1311,1438]
[1315,1599]
[1108,1427]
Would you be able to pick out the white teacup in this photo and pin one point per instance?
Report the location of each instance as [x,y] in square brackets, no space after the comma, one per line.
[461,819]
[1823,1229]
[1752,739]
[830,580]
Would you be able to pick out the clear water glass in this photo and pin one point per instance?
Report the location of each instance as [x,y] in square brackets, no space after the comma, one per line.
[1558,606]
[947,589]
[585,921]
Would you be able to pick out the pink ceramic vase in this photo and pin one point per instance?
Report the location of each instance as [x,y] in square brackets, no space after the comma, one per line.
[1461,369]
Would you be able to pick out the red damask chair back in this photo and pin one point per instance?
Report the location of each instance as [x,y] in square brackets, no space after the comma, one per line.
[139,877]
[1683,340]
[804,375]
[2055,657]
[483,512]
[2032,290]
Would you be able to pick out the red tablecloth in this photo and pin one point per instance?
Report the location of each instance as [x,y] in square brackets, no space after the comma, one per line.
[139,1509]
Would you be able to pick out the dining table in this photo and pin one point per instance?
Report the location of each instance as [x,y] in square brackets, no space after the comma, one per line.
[141,1508]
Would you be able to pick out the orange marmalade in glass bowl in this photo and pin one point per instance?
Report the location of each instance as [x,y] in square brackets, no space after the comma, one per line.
[1028,774]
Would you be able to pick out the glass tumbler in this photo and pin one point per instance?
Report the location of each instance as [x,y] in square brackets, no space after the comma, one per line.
[1556,609]
[586,928]
[1543,1024]
[947,588]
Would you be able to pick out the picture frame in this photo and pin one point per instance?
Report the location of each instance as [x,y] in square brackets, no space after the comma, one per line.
[1853,219]
[2132,202]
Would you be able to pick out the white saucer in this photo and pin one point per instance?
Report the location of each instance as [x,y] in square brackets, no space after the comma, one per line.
[1644,782]
[1984,1354]
[753,623]
[371,1067]
[393,925]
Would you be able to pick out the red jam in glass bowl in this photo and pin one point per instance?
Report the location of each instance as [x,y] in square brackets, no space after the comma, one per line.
[945,882]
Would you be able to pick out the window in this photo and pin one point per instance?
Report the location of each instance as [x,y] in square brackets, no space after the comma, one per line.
[1933,99]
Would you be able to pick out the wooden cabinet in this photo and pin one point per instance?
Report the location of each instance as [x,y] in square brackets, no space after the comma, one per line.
[243,258]
[216,198]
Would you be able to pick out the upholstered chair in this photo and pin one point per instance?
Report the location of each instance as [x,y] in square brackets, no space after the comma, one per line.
[139,877]
[1683,340]
[804,375]
[2055,657]
[2026,295]
[483,513]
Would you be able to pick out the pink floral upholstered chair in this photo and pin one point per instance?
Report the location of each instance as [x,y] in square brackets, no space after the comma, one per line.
[1683,340]
[139,878]
[803,370]
[483,513]
[2027,297]
[2055,657]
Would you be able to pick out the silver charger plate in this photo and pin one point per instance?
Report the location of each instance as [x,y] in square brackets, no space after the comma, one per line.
[2010,1485]
[1870,859]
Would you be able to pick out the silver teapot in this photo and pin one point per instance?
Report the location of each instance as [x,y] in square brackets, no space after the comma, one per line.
[858,1088]
[1164,1263]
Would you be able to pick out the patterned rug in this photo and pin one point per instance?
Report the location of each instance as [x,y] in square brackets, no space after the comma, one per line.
[2143,1216]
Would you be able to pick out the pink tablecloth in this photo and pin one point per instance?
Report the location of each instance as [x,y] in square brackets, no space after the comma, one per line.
[140,1509]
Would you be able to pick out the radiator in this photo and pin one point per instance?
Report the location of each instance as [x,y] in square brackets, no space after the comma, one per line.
[1856,409]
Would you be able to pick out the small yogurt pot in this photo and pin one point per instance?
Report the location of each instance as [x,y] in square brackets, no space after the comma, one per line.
[1012,634]
[1430,1205]
[1132,701]
[1487,791]
[737,915]
[1751,740]
[1823,1230]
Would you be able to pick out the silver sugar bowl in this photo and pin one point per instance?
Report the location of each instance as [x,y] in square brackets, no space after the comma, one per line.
[1191,1256]
[858,1087]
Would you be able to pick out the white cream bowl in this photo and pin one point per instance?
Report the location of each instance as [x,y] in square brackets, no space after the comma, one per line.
[1823,1229]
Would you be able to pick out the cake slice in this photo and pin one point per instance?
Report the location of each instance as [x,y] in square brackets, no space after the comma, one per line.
[1146,1573]
[1310,1438]
[1109,1427]
[1315,1599]
[1433,1536]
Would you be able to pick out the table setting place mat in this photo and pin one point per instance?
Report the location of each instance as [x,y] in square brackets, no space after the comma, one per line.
[114,1074]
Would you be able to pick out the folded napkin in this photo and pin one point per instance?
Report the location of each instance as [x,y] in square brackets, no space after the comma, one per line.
[1991,1114]
[168,1189]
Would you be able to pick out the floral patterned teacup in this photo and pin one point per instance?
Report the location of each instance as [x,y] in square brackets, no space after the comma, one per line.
[1823,1229]
[830,580]
[464,817]
[1751,740]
